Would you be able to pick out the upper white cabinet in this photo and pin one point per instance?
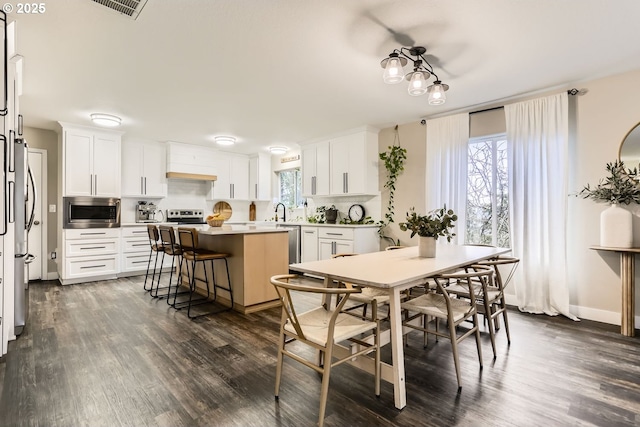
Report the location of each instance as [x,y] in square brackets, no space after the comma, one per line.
[90,161]
[260,177]
[354,164]
[233,177]
[344,165]
[315,169]
[144,168]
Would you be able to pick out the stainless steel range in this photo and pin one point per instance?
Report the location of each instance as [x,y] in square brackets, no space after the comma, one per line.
[186,216]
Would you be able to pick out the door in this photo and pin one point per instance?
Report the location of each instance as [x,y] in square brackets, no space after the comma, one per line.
[77,155]
[37,235]
[106,166]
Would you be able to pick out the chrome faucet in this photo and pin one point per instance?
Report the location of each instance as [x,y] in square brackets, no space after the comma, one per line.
[284,212]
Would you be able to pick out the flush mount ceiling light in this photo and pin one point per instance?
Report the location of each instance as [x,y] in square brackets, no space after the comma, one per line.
[107,120]
[225,140]
[278,150]
[418,78]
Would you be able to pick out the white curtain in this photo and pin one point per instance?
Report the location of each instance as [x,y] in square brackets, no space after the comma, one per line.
[446,175]
[538,135]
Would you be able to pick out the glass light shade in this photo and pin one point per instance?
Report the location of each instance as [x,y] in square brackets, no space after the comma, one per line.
[106,120]
[418,83]
[436,94]
[278,150]
[393,72]
[225,140]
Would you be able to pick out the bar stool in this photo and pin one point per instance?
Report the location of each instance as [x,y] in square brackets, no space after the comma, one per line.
[193,255]
[172,249]
[156,247]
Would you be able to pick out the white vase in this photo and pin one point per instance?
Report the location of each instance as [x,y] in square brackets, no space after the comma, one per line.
[616,227]
[426,247]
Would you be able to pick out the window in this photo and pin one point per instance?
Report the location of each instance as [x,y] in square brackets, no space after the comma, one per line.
[290,183]
[488,192]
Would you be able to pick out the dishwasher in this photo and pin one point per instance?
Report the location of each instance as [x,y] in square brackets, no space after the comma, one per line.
[295,242]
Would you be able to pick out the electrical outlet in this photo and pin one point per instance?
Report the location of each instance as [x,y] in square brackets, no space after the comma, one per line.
[52,208]
[53,255]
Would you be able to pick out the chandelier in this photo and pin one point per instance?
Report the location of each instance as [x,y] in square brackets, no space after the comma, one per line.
[422,70]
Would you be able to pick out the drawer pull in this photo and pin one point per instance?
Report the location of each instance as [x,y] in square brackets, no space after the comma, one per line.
[138,262]
[139,232]
[334,234]
[94,266]
[140,244]
[309,232]
[93,234]
[94,247]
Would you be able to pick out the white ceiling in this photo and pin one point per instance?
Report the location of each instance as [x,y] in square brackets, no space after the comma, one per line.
[278,72]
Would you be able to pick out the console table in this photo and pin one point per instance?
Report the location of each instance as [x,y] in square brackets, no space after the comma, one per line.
[627,276]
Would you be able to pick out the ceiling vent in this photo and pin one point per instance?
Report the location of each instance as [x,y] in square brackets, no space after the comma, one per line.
[131,8]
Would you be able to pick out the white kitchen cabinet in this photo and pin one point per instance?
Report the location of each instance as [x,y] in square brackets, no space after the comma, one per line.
[260,177]
[135,252]
[309,243]
[89,255]
[315,169]
[90,161]
[233,177]
[323,241]
[144,168]
[354,164]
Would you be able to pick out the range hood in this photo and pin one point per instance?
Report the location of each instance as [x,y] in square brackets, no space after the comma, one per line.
[192,176]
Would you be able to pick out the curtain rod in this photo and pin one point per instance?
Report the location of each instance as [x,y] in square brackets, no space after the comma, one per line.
[514,98]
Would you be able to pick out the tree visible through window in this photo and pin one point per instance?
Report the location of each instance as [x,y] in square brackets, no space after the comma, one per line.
[488,192]
[291,188]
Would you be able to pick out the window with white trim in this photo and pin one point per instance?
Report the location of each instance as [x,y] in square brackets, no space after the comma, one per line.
[290,187]
[488,192]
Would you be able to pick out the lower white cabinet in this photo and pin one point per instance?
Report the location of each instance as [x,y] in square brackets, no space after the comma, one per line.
[135,252]
[309,243]
[322,241]
[89,255]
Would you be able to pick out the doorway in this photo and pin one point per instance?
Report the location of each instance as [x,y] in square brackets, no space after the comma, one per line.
[37,239]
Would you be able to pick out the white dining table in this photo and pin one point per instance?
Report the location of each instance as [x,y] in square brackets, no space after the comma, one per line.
[395,271]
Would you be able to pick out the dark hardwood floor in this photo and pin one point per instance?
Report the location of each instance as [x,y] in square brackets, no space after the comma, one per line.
[107,354]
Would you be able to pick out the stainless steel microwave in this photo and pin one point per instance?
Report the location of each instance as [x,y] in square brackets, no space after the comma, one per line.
[90,212]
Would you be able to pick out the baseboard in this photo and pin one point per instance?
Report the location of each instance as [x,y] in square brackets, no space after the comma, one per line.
[586,313]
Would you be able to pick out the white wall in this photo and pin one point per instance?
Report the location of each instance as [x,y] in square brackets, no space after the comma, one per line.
[604,116]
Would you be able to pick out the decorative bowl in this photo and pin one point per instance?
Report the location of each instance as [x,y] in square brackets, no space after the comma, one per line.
[215,222]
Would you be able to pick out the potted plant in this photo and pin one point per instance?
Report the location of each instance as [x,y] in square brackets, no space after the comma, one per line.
[437,223]
[620,187]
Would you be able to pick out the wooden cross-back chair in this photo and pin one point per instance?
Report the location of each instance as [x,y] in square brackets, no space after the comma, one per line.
[322,328]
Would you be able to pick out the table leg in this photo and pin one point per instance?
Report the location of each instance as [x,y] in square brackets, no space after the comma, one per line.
[627,271]
[397,351]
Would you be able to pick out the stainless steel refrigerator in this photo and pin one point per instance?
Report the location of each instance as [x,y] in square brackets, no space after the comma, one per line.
[24,203]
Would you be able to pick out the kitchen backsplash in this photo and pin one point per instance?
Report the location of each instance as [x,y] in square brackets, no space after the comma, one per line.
[188,194]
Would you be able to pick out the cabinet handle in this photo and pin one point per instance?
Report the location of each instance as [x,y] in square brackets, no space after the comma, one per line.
[333,248]
[141,186]
[97,233]
[256,196]
[334,234]
[95,181]
[140,244]
[145,185]
[138,262]
[313,185]
[94,266]
[309,232]
[94,247]
[139,232]
[346,182]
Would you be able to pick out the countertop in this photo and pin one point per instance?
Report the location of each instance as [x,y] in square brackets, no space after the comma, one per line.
[261,224]
[215,231]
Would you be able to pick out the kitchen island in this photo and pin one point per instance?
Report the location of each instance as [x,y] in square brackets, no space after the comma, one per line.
[256,254]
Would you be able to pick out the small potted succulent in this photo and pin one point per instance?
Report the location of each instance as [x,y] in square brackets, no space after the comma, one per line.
[436,223]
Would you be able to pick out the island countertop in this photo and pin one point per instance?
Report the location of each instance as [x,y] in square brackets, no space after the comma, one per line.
[216,231]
